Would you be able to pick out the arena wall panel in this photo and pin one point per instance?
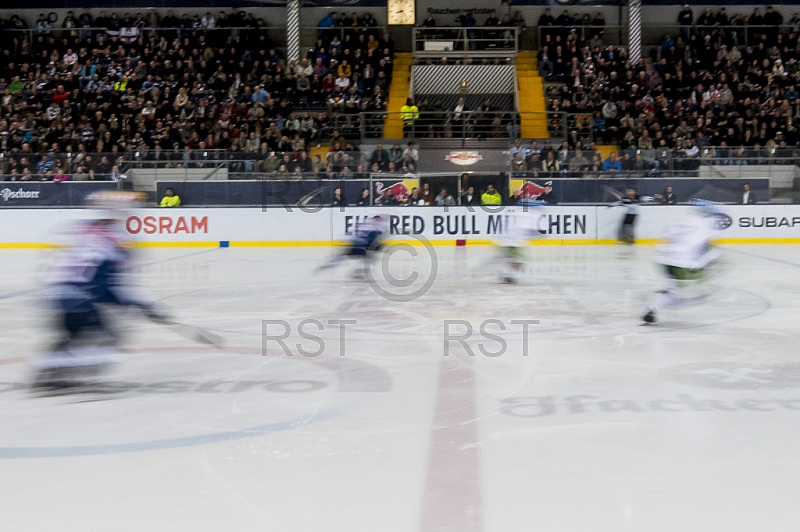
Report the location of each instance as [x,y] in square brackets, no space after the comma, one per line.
[235,227]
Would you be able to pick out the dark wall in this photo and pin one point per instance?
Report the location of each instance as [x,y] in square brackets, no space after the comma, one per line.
[15,194]
[317,192]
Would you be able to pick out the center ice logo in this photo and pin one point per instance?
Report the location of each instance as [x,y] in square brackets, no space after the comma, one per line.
[742,376]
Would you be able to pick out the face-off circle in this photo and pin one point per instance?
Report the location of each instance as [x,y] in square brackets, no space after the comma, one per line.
[162,399]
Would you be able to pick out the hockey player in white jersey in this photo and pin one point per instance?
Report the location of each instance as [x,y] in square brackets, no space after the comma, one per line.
[90,273]
[630,201]
[520,227]
[685,258]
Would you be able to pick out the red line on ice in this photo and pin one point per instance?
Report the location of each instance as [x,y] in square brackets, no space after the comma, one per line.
[452,497]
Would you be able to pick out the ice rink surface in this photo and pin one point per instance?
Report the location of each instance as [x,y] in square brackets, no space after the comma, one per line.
[590,422]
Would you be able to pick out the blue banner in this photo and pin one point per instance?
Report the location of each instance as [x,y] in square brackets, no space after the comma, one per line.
[15,194]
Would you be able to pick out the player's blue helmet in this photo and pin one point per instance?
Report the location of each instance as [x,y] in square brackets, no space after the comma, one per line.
[706,207]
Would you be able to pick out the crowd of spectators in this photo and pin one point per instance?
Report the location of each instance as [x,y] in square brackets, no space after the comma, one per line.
[571,158]
[577,158]
[109,88]
[701,98]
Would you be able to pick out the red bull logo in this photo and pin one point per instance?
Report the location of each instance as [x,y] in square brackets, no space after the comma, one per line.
[463,158]
[530,190]
[399,190]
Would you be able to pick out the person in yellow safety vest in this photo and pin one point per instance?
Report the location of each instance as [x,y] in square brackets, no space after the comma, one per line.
[170,199]
[408,113]
[491,196]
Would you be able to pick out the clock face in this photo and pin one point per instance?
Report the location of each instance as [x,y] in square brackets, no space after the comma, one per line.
[401,12]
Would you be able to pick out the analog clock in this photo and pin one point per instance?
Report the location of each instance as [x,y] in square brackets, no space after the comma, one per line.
[401,12]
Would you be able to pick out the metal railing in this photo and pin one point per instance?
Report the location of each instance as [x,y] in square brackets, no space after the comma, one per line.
[722,162]
[105,166]
[652,34]
[608,35]
[347,35]
[740,35]
[481,124]
[17,39]
[587,163]
[476,41]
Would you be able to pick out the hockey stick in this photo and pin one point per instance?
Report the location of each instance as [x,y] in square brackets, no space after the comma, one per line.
[198,334]
[616,193]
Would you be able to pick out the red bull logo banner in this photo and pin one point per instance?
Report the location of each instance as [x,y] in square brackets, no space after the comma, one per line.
[400,189]
[528,190]
[484,160]
[463,158]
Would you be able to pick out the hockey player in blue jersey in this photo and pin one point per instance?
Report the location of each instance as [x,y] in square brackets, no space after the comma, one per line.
[367,239]
[89,274]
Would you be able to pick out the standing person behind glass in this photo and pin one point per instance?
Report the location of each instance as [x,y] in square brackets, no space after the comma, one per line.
[748,196]
[685,20]
[457,118]
[444,198]
[466,20]
[469,197]
[409,113]
[338,200]
[667,198]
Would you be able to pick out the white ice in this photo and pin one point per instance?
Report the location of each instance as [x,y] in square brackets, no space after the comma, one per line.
[591,423]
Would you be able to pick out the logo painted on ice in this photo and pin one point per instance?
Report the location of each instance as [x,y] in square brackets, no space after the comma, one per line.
[463,158]
[739,376]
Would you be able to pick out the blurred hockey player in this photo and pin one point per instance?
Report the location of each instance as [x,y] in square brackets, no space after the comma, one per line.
[631,203]
[366,241]
[685,258]
[520,228]
[89,274]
